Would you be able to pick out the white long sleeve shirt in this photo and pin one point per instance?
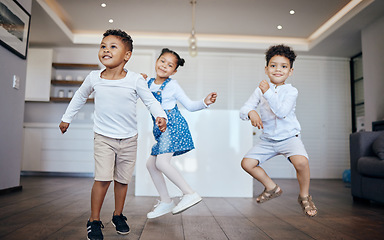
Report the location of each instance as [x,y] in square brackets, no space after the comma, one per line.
[277,111]
[173,93]
[115,103]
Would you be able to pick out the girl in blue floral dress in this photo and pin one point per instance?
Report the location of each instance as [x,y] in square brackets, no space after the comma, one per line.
[176,140]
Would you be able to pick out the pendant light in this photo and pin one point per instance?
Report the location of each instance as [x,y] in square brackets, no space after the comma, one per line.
[192,39]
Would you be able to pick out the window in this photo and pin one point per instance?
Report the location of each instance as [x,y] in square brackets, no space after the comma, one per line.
[357,93]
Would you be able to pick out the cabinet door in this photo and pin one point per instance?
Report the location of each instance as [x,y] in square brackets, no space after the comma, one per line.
[39,69]
[32,149]
[47,150]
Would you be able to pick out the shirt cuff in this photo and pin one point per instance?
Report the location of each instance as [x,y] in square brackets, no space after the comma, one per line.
[268,93]
[205,105]
[244,113]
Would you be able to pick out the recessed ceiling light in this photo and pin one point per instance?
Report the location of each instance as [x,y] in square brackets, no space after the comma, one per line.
[103,5]
[279,27]
[292,12]
[110,20]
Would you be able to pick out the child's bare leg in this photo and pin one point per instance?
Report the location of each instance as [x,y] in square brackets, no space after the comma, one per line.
[303,173]
[303,176]
[163,163]
[99,190]
[158,179]
[250,165]
[120,190]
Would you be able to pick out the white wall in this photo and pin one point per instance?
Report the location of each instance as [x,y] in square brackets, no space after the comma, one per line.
[11,117]
[373,52]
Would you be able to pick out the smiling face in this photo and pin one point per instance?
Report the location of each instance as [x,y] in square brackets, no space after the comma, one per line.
[278,70]
[166,65]
[113,52]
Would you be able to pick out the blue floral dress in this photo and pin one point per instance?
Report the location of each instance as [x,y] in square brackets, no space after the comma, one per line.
[177,138]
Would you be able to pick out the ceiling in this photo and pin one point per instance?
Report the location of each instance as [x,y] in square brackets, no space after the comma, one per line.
[324,28]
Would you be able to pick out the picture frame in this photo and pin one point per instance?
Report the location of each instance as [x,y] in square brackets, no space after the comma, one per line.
[14,27]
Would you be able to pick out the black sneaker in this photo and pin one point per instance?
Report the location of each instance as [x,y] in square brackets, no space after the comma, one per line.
[120,223]
[94,230]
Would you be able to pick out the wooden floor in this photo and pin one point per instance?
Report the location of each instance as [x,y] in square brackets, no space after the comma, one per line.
[58,208]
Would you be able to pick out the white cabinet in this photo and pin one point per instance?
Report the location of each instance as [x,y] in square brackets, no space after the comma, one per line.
[39,69]
[47,150]
[213,168]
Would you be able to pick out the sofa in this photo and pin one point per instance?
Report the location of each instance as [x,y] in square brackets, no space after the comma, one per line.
[367,166]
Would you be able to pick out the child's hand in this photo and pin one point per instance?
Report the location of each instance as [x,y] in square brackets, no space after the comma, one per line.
[255,119]
[144,75]
[211,98]
[264,86]
[63,127]
[161,123]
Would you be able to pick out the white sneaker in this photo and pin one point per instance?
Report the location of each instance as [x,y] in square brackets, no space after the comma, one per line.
[186,202]
[160,209]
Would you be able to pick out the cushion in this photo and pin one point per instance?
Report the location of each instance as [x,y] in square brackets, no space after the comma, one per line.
[378,146]
[371,167]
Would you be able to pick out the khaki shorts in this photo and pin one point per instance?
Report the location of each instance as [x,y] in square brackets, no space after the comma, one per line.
[114,158]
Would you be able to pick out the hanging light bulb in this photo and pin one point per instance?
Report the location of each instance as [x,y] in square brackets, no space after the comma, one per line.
[192,39]
[193,44]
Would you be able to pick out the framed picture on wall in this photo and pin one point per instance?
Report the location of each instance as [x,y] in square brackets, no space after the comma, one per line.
[14,27]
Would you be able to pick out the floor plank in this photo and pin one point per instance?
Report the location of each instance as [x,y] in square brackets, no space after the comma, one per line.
[163,228]
[202,227]
[240,228]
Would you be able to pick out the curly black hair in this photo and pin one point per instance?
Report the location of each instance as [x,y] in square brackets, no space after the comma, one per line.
[180,61]
[124,37]
[280,50]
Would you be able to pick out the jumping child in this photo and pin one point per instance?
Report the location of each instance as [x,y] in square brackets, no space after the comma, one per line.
[176,140]
[281,129]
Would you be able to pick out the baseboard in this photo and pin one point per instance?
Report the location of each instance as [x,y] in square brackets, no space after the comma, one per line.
[11,190]
[54,174]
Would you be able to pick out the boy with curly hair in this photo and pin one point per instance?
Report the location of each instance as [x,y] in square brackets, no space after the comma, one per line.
[116,91]
[281,129]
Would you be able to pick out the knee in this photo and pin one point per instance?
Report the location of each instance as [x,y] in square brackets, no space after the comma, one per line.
[150,164]
[247,164]
[101,184]
[160,165]
[120,183]
[301,163]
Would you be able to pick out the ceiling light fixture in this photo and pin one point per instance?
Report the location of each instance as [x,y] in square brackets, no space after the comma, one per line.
[279,27]
[103,5]
[110,20]
[192,39]
[292,12]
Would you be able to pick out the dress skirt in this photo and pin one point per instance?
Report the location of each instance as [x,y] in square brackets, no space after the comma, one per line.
[176,139]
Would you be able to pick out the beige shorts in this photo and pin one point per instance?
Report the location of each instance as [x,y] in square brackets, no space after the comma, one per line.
[114,158]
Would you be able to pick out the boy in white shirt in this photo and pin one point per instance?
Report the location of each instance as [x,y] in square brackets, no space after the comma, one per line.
[281,129]
[115,143]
